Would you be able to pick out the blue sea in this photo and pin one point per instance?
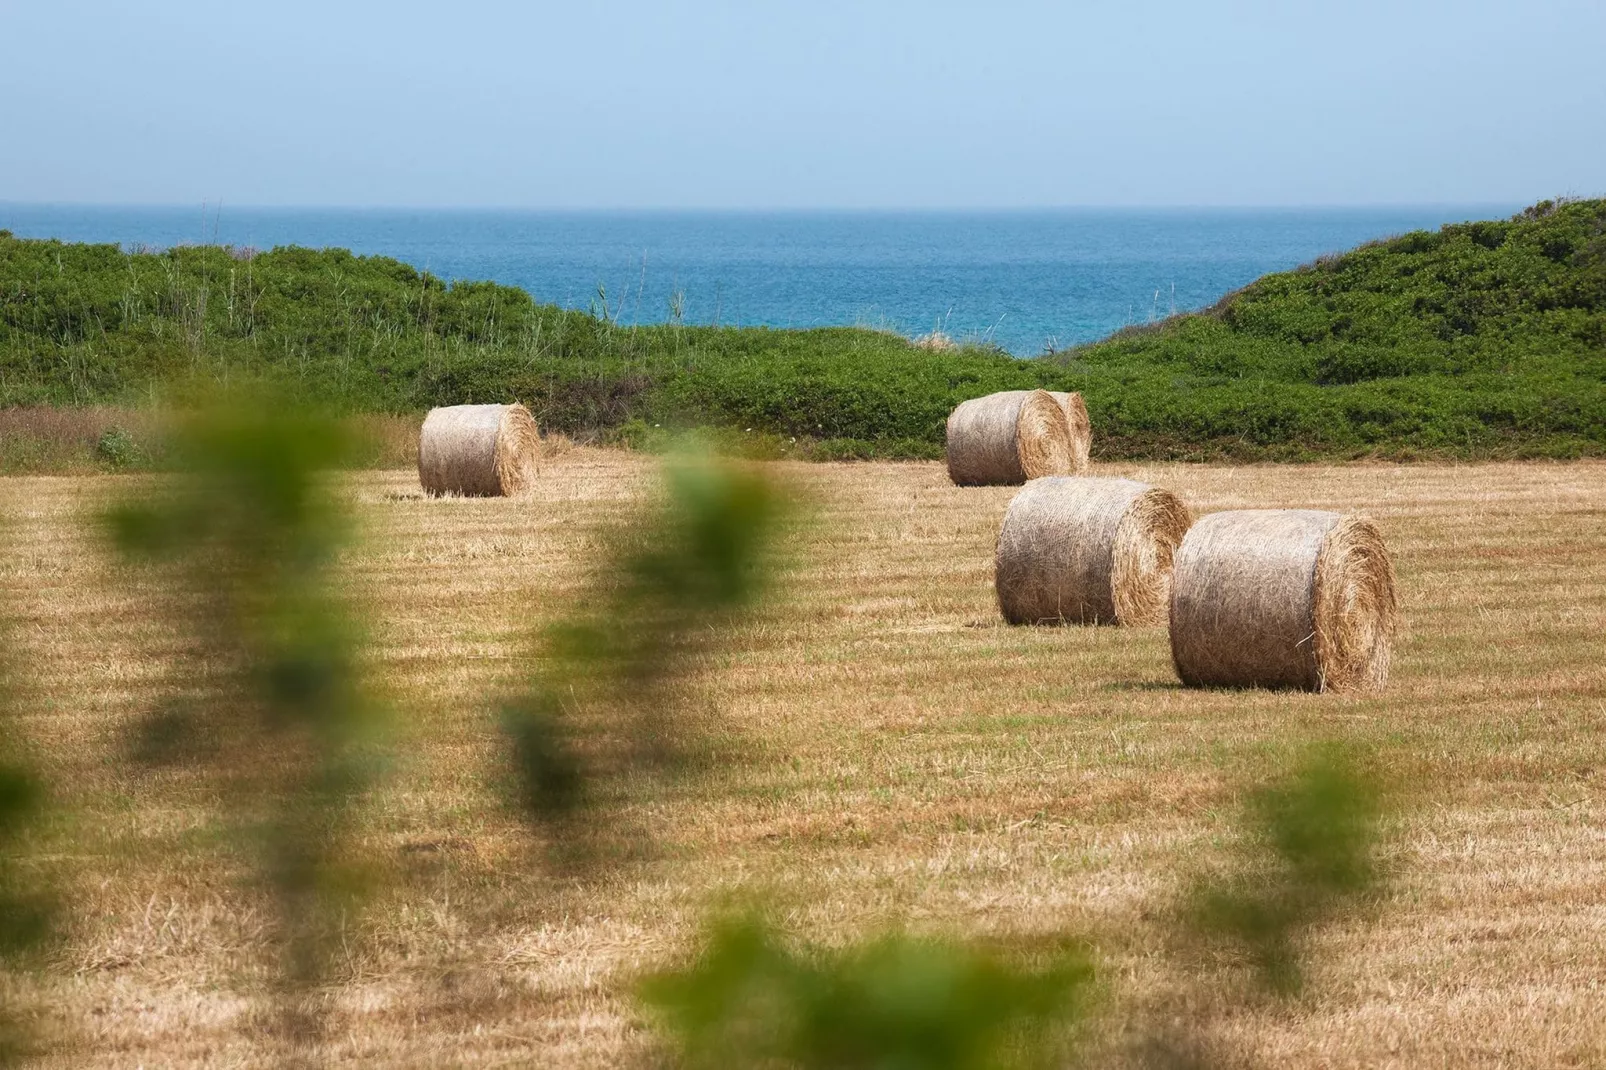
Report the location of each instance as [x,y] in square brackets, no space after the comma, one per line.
[1027,281]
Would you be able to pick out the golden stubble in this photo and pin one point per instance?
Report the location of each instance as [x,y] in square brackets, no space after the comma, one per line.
[885,751]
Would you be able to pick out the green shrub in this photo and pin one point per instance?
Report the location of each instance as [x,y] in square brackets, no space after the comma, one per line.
[117,448]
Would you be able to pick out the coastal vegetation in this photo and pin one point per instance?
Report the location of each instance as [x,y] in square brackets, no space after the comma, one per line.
[1483,339]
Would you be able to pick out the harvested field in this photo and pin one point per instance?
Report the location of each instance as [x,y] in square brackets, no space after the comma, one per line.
[906,758]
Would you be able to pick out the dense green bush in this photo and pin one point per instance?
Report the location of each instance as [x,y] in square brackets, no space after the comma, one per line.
[1482,339]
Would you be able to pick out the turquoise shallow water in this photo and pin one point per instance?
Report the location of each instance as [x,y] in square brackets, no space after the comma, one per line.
[1025,280]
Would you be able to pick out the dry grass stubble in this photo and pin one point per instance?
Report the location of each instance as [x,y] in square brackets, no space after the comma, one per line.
[905,757]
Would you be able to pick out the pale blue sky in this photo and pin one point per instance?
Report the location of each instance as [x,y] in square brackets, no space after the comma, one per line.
[733,104]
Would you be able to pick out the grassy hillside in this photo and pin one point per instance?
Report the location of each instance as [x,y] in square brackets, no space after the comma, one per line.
[1482,339]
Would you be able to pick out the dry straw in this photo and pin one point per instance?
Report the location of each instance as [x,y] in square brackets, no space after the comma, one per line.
[1088,551]
[479,450]
[1008,437]
[1283,598]
[1081,429]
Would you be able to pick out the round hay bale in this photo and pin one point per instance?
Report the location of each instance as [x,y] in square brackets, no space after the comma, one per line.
[1283,598]
[1081,429]
[478,450]
[1088,551]
[1008,437]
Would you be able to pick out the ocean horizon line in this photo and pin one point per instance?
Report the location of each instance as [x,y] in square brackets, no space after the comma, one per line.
[813,211]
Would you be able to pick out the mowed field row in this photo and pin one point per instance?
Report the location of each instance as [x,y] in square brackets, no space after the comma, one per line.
[889,753]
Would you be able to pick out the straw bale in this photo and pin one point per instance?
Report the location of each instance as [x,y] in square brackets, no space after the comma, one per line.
[1081,429]
[1008,437]
[1089,551]
[478,450]
[1283,598]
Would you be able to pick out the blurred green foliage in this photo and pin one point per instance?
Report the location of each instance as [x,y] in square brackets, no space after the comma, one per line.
[28,910]
[1308,854]
[268,696]
[893,1003]
[24,913]
[668,586]
[1480,339]
[29,913]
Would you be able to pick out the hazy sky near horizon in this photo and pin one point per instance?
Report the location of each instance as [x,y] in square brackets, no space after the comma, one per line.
[733,104]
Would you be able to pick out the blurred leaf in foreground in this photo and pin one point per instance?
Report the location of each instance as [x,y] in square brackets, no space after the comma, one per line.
[268,695]
[1309,853]
[28,909]
[894,1003]
[608,703]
